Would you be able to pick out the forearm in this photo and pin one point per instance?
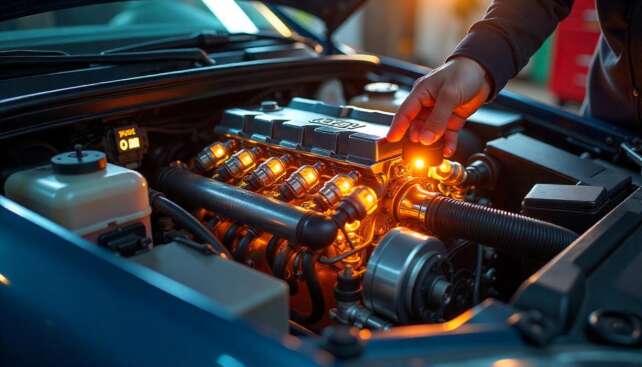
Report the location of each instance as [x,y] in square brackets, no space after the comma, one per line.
[508,35]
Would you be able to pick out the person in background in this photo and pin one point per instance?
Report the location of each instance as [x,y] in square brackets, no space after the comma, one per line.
[498,46]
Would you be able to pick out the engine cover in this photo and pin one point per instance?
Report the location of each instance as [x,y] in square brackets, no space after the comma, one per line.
[342,132]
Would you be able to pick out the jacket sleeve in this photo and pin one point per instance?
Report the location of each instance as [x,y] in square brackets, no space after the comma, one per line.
[507,36]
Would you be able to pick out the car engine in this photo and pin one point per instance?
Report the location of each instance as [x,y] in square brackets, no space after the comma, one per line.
[303,215]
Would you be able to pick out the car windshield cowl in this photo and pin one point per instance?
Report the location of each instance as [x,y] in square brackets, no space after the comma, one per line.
[204,40]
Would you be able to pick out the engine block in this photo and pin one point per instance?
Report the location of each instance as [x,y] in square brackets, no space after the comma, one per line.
[364,235]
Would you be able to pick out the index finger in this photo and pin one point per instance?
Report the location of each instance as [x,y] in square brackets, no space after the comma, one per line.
[418,99]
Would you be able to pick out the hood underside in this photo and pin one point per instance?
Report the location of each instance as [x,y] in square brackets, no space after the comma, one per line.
[332,12]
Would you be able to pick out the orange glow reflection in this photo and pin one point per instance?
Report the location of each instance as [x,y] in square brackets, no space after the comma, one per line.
[508,362]
[428,329]
[4,280]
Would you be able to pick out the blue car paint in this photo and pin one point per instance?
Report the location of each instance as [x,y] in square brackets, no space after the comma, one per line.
[64,301]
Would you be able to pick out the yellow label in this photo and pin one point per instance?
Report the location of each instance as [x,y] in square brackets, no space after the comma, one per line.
[126,132]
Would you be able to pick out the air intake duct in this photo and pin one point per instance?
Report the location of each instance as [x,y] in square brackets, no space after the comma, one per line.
[300,226]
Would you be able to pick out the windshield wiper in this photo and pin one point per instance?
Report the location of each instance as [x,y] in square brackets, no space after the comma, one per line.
[31,57]
[32,53]
[204,40]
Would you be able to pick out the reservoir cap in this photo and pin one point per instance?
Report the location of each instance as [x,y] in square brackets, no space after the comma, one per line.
[79,161]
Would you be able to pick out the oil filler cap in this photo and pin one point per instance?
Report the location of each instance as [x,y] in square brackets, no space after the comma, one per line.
[79,161]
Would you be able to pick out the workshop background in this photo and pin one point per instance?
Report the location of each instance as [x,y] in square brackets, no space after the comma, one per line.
[426,31]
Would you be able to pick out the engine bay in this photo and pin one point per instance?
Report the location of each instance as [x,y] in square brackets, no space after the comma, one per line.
[298,214]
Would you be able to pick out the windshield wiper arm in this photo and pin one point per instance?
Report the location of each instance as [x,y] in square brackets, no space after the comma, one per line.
[185,54]
[32,53]
[205,40]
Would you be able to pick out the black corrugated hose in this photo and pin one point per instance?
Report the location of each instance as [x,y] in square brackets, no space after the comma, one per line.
[496,228]
[163,205]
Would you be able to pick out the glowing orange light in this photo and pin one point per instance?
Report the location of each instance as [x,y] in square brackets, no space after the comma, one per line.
[365,334]
[367,197]
[275,165]
[246,158]
[218,151]
[309,175]
[345,186]
[352,226]
[419,163]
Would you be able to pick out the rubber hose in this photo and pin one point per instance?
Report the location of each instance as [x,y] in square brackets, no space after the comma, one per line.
[317,300]
[281,262]
[243,247]
[270,250]
[163,205]
[496,228]
[228,236]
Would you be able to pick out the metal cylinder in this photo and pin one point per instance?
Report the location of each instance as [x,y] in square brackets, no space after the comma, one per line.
[405,277]
[290,222]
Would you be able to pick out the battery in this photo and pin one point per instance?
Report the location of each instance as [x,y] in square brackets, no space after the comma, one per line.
[576,207]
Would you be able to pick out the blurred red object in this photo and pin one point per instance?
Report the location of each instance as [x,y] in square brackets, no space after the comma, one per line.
[573,49]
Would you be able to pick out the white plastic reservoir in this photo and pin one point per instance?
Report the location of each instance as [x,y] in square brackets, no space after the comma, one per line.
[82,192]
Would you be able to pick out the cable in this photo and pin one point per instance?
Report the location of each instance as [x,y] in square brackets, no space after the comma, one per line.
[315,292]
[163,205]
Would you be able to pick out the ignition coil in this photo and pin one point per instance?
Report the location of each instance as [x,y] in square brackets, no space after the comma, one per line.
[212,156]
[268,172]
[332,191]
[239,164]
[301,182]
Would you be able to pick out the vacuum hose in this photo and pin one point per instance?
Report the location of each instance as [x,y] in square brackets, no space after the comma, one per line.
[497,228]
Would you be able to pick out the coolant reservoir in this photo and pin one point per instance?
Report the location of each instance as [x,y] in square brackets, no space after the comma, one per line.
[380,96]
[82,192]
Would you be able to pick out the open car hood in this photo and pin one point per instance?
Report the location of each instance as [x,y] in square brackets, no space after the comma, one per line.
[332,12]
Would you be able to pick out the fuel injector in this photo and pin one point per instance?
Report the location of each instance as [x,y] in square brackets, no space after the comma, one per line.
[238,164]
[301,182]
[268,172]
[336,188]
[356,206]
[213,155]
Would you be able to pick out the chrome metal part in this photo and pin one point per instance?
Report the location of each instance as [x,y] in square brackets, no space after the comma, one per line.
[405,280]
[411,202]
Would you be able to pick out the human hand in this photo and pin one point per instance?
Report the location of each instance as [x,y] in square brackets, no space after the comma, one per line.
[440,102]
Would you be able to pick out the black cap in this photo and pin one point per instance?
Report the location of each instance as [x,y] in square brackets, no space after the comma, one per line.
[79,161]
[432,155]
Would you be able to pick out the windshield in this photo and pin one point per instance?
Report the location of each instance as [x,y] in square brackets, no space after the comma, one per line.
[93,28]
